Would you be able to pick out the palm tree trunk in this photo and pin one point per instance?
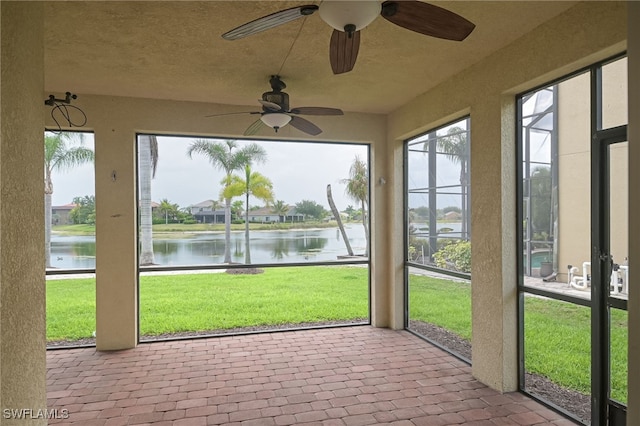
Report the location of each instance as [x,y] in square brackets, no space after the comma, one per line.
[227,230]
[366,228]
[146,230]
[463,201]
[336,214]
[247,251]
[47,228]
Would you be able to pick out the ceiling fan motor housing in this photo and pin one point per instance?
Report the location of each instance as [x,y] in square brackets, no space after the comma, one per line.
[276,97]
[349,16]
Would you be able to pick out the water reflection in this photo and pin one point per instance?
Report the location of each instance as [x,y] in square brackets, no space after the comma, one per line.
[280,250]
[208,248]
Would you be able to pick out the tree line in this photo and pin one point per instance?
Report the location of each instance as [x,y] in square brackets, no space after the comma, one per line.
[166,212]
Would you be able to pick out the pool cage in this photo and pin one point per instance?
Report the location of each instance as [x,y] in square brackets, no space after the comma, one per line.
[438,189]
[540,182]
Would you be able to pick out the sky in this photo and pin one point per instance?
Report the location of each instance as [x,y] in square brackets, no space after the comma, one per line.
[299,171]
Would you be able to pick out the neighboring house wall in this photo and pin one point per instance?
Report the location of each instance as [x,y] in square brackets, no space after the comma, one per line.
[60,214]
[202,206]
[294,217]
[453,216]
[209,216]
[263,215]
[264,218]
[574,170]
[266,215]
[203,212]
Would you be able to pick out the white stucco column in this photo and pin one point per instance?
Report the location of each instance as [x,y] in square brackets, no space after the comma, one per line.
[494,268]
[386,181]
[116,228]
[22,263]
[394,157]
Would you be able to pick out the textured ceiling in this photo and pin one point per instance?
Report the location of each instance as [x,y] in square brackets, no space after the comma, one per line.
[174,50]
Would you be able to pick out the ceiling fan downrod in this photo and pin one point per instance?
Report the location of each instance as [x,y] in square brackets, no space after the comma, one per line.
[349,29]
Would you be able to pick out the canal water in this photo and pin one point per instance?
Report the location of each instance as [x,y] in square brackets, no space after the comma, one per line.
[285,246]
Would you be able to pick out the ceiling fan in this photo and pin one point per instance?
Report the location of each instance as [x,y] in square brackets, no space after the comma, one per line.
[349,17]
[276,113]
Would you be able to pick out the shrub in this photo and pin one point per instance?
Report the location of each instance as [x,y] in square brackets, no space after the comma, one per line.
[455,256]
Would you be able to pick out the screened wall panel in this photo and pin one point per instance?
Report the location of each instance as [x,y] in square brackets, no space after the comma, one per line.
[438,246]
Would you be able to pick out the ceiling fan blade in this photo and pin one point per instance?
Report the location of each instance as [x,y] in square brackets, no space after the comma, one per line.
[233,113]
[316,111]
[427,19]
[270,21]
[270,105]
[343,51]
[305,126]
[254,128]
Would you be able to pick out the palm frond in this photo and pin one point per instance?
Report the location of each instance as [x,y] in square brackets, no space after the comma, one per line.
[358,181]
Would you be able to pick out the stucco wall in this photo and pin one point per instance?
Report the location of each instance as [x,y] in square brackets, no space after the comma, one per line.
[574,173]
[22,286]
[585,33]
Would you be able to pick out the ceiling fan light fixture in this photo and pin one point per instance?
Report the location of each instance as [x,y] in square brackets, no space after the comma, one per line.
[340,14]
[275,120]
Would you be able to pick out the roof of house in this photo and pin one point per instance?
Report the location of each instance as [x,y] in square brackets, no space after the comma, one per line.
[69,206]
[205,203]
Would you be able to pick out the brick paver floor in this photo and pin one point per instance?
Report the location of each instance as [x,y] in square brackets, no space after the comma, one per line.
[337,376]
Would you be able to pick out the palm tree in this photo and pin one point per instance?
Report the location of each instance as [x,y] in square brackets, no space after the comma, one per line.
[349,211]
[224,156]
[62,151]
[256,185]
[541,202]
[148,157]
[455,146]
[237,207]
[281,209]
[358,190]
[168,209]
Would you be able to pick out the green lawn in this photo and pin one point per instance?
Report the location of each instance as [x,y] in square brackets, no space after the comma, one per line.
[197,302]
[451,309]
[71,308]
[179,228]
[277,296]
[81,229]
[557,334]
[558,342]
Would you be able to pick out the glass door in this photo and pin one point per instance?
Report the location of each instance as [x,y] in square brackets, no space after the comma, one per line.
[610,235]
[610,284]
